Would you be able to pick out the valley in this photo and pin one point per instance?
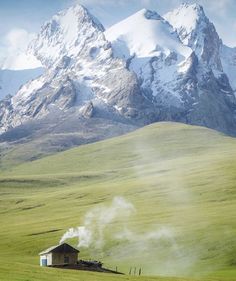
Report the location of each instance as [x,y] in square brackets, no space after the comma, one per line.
[180,179]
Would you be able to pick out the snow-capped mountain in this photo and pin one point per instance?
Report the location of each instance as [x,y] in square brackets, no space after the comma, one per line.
[178,63]
[153,51]
[79,68]
[197,32]
[146,68]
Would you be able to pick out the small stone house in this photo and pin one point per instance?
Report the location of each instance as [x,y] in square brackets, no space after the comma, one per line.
[63,254]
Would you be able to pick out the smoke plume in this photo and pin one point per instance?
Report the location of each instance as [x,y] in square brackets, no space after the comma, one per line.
[97,220]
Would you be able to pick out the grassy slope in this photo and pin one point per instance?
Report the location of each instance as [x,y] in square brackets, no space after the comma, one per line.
[179,177]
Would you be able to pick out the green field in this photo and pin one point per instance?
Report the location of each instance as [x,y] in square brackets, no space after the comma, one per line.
[180,179]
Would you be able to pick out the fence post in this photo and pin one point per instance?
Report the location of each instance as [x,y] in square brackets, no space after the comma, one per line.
[140,272]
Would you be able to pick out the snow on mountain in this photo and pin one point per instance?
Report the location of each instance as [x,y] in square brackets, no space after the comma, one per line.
[197,32]
[141,70]
[178,63]
[145,34]
[186,19]
[67,34]
[153,51]
[79,69]
[73,47]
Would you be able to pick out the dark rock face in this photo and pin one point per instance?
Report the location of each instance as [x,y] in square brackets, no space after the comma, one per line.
[209,101]
[88,110]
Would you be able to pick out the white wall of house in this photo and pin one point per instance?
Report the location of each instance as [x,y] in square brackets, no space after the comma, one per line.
[48,258]
[42,258]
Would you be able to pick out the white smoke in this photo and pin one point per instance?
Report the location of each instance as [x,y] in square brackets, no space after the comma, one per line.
[156,234]
[84,235]
[97,220]
[107,230]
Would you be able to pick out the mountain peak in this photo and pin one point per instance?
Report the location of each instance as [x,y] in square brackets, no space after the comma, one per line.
[143,34]
[195,6]
[147,69]
[65,34]
[187,17]
[197,32]
[79,10]
[195,9]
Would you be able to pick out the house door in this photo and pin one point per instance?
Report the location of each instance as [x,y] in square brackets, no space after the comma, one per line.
[44,262]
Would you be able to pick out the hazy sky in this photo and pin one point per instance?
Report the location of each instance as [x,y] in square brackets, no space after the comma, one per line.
[21,18]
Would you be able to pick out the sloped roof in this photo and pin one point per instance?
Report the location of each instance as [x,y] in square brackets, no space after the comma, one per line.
[66,248]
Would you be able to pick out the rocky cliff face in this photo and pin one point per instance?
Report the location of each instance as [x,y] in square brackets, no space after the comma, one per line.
[144,69]
[178,61]
[215,103]
[79,68]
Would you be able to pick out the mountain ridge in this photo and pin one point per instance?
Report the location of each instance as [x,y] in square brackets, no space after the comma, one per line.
[125,75]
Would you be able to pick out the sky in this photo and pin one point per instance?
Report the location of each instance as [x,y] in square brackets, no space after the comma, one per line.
[22,19]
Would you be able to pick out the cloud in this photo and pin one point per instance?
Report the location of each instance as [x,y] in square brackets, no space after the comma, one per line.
[14,49]
[18,39]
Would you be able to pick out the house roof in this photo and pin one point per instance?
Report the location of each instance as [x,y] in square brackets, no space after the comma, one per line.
[63,248]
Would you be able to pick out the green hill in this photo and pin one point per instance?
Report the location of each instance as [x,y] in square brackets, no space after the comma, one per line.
[179,181]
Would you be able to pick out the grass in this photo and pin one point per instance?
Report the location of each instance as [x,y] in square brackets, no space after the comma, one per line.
[180,179]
